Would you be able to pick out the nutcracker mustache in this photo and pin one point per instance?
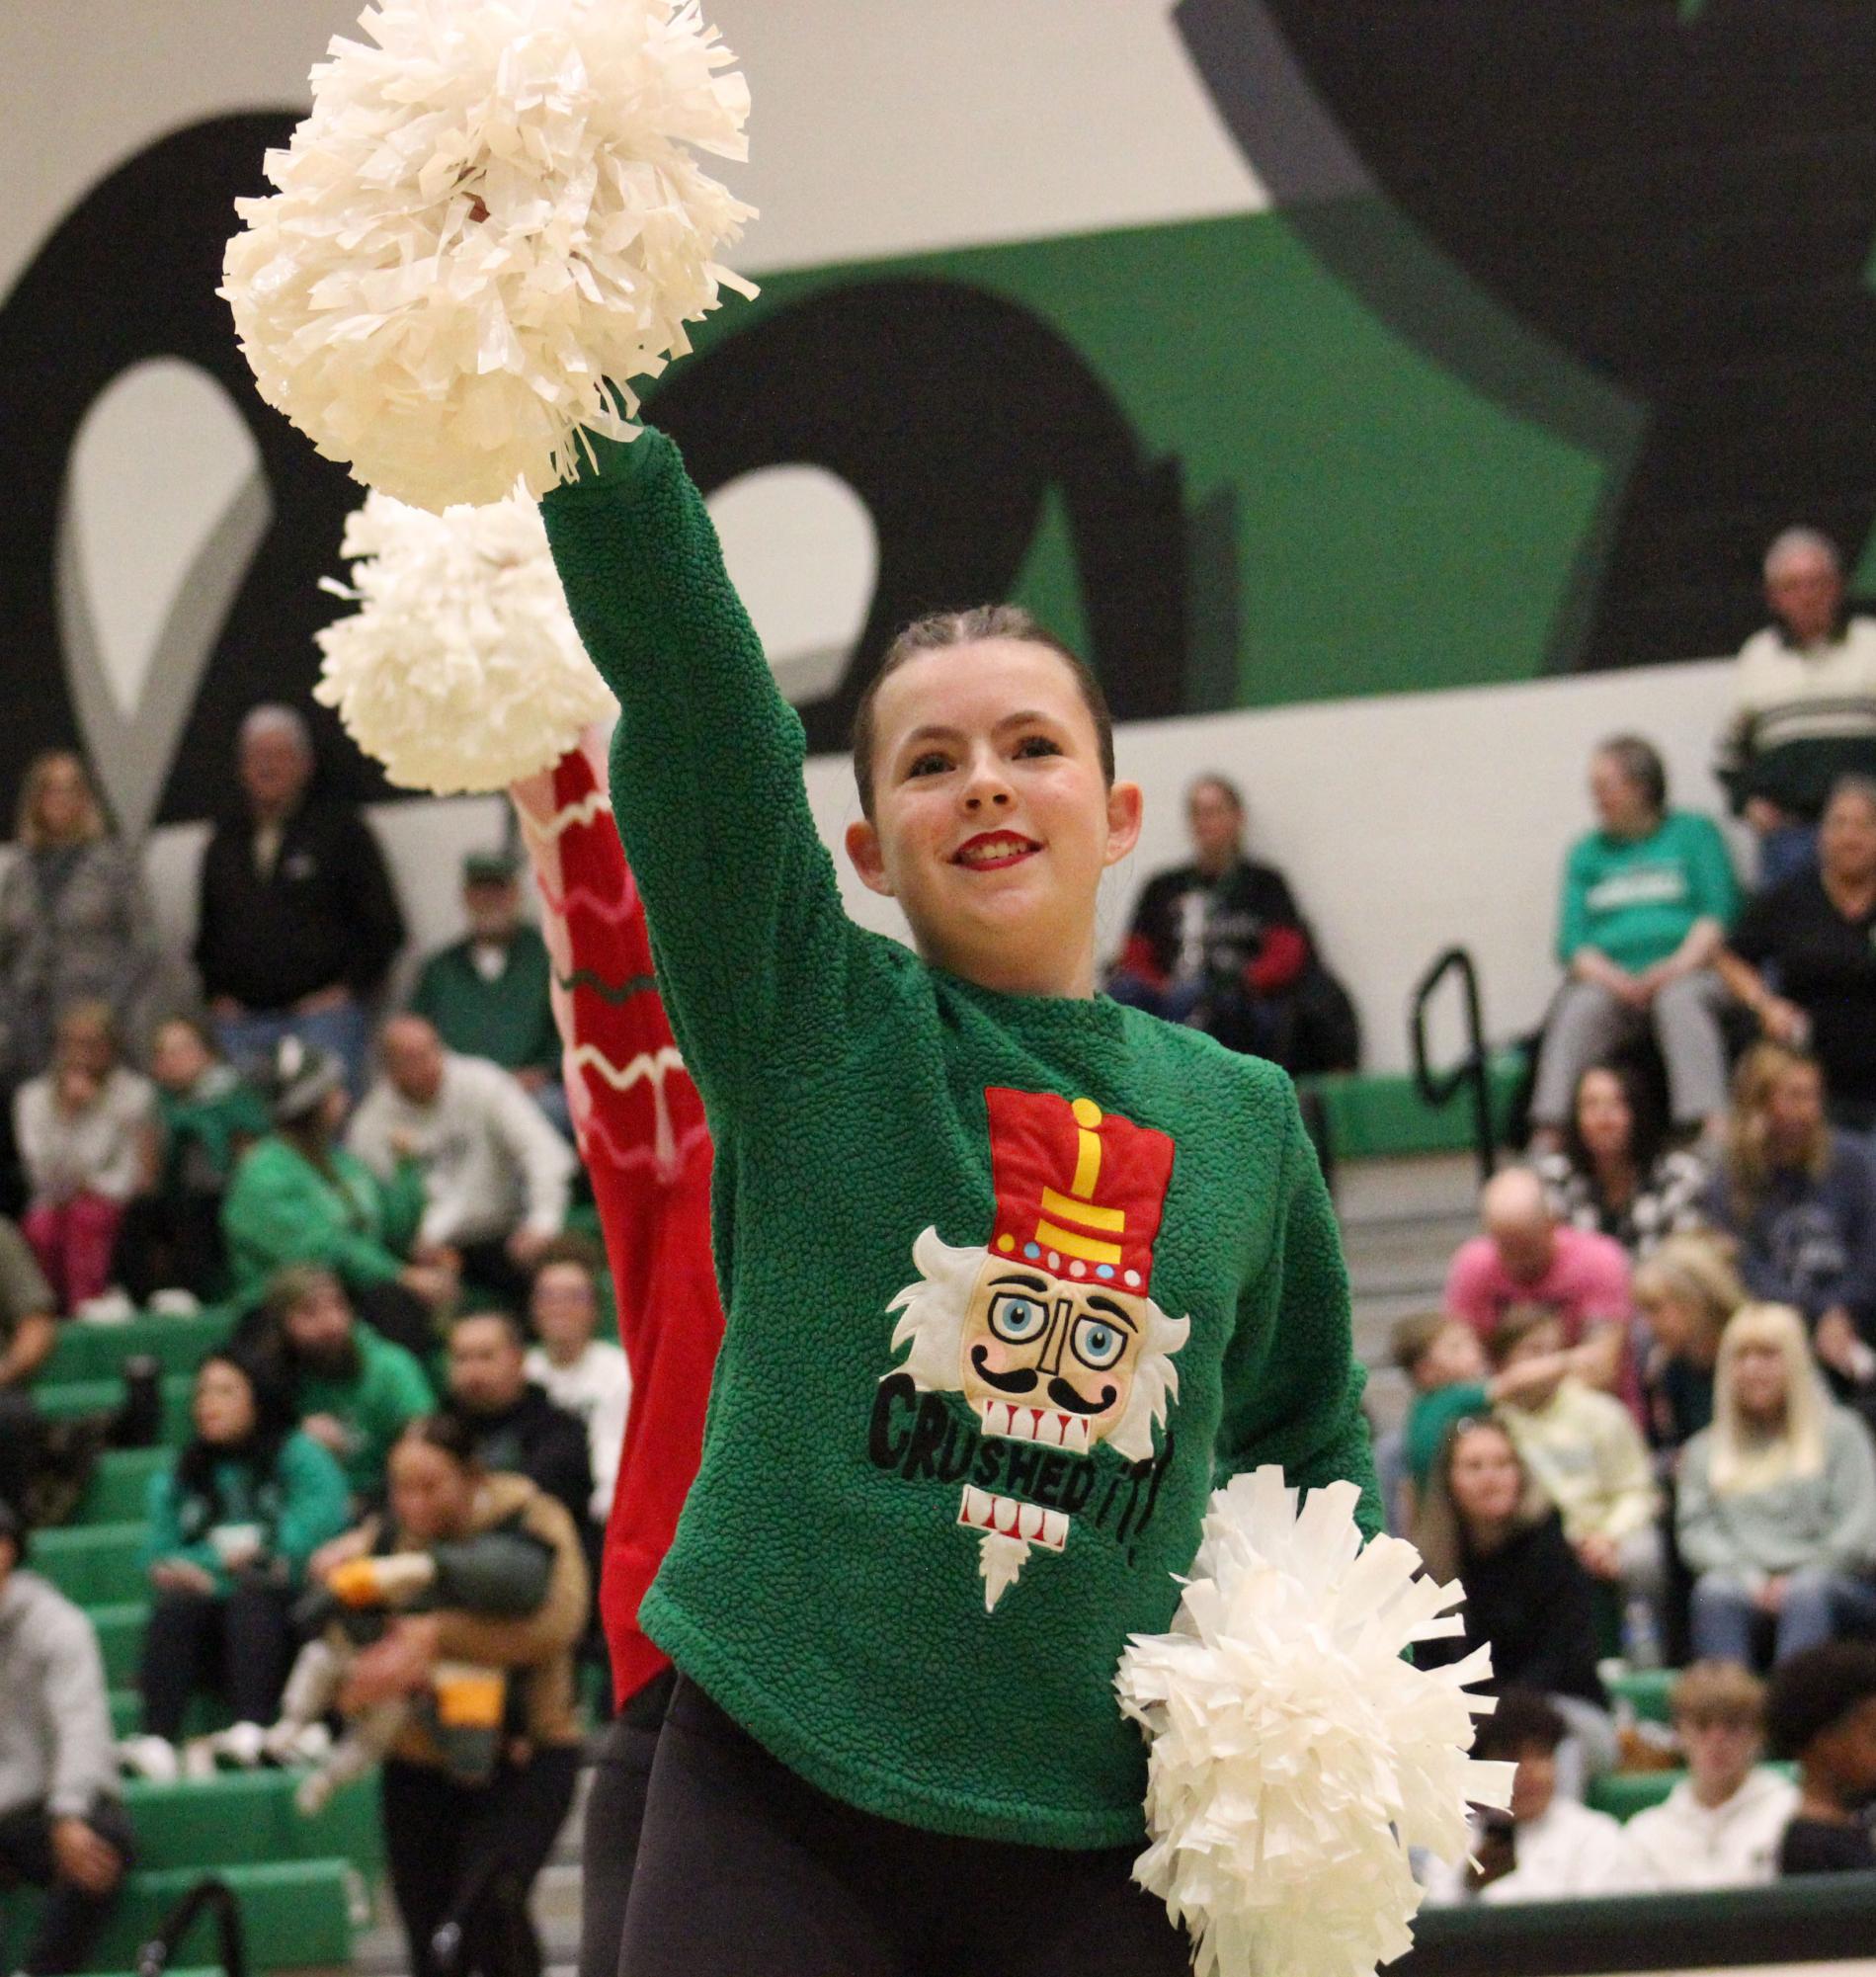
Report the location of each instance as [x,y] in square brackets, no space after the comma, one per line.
[1023,1381]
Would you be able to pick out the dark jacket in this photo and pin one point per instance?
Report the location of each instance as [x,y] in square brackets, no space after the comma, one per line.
[1810,1241]
[1531,1599]
[1250,931]
[325,916]
[541,1442]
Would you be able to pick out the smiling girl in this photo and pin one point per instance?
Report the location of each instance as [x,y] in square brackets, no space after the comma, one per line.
[1014,1278]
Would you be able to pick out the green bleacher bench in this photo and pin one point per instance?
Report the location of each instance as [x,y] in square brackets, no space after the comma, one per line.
[204,1714]
[94,1564]
[98,1352]
[1381,1115]
[247,1818]
[1625,1793]
[120,1486]
[120,1639]
[294,1915]
[62,1400]
[1645,1691]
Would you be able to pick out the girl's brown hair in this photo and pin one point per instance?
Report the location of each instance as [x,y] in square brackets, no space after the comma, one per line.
[26,827]
[1440,1529]
[1749,1165]
[947,628]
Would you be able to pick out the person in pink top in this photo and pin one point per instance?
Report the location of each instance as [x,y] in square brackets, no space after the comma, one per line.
[1525,1256]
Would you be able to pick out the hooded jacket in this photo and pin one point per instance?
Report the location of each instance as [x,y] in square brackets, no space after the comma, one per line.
[55,1742]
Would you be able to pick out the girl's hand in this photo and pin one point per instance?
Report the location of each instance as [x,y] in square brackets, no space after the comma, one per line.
[397,1665]
[181,1575]
[1783,1022]
[337,1551]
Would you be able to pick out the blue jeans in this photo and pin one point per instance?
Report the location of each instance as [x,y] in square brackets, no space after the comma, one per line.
[346,1031]
[1818,1607]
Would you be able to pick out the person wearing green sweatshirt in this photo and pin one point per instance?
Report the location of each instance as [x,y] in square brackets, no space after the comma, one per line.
[298,1197]
[1014,1276]
[230,1530]
[1647,897]
[354,1392]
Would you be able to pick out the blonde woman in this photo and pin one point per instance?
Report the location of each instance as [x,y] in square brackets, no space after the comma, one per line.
[1684,1293]
[1801,1200]
[1776,1512]
[75,924]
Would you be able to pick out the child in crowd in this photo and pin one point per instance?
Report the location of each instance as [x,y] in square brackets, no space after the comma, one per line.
[1685,1293]
[1445,1366]
[1822,1712]
[1585,1451]
[85,1136]
[1548,1845]
[206,1115]
[1721,1825]
[1014,1276]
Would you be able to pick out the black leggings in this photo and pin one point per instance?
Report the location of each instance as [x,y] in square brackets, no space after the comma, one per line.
[614,1816]
[463,1859]
[745,1866]
[241,1644]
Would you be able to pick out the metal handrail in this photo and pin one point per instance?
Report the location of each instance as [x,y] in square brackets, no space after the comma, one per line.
[153,1959]
[1473,1070]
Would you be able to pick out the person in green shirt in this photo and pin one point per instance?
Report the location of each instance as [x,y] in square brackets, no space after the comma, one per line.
[354,1391]
[298,1197]
[1647,897]
[1014,1278]
[489,994]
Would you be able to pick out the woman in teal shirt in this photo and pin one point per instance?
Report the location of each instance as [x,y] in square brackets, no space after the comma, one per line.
[1647,897]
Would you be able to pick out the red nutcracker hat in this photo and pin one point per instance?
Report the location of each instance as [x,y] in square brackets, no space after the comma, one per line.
[1080,1191]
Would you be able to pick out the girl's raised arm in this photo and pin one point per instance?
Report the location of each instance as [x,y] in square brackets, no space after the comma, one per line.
[757,959]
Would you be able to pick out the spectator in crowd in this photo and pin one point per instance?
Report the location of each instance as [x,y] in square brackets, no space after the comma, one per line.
[495,1175]
[462,1854]
[1615,1173]
[1802,956]
[62,1826]
[1804,703]
[515,1426]
[489,994]
[232,1529]
[585,1375]
[75,924]
[354,1391]
[1445,1367]
[1776,1509]
[298,923]
[1801,1200]
[1486,1521]
[29,1330]
[85,1133]
[298,1197]
[1647,899]
[1822,1714]
[1219,944]
[1588,1455]
[1526,1257]
[1721,1825]
[1685,1293]
[207,1116]
[1548,1846]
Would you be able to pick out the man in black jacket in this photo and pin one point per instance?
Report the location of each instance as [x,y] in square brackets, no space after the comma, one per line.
[516,1426]
[298,923]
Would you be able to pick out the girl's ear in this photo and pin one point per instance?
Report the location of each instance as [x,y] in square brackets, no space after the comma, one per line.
[863,847]
[1124,808]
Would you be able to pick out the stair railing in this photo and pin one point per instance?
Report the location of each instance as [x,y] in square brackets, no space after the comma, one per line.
[153,1959]
[1472,1072]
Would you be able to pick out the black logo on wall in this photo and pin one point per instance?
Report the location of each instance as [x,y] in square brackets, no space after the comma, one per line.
[951,413]
[1681,194]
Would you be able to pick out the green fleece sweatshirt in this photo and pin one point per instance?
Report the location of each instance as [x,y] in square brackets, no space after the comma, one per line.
[298,1507]
[391,1390]
[1012,1282]
[280,1208]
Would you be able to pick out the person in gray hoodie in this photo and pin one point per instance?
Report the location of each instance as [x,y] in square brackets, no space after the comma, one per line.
[63,1826]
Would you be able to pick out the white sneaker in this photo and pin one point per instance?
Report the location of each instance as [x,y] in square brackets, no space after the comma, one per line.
[151,1757]
[199,1760]
[175,1302]
[109,1307]
[242,1745]
[299,1744]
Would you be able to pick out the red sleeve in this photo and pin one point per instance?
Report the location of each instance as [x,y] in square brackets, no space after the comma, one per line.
[1279,963]
[1468,1286]
[1136,960]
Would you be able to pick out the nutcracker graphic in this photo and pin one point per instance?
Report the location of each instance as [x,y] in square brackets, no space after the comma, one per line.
[1048,1330]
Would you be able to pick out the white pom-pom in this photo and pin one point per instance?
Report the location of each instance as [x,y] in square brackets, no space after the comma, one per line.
[1295,1757]
[460,669]
[487,215]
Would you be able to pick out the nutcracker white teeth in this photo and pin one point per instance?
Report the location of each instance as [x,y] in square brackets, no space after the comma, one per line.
[1008,1517]
[1036,1423]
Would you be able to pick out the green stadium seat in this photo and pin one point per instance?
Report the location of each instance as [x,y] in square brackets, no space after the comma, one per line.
[120,1484]
[94,1565]
[1379,1116]
[120,1638]
[1646,1691]
[60,1400]
[98,1352]
[244,1819]
[294,1915]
